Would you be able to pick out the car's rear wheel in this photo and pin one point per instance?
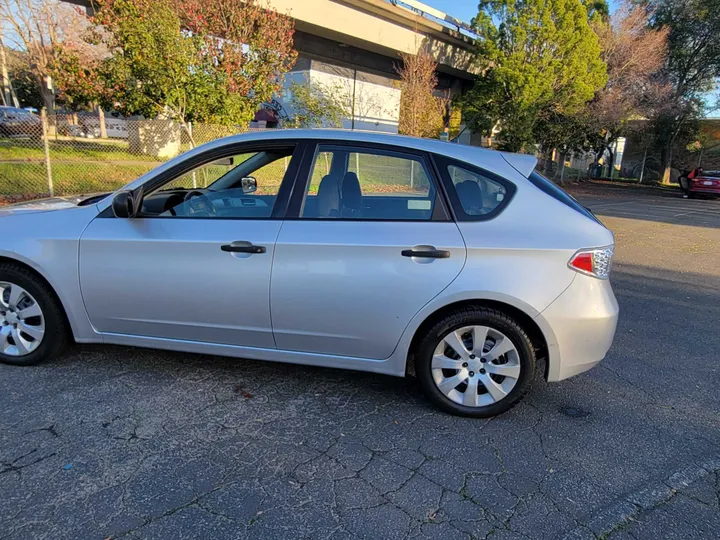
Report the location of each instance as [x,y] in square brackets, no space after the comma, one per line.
[475,362]
[32,324]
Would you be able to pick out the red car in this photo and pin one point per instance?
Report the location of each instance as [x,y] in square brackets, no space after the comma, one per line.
[707,183]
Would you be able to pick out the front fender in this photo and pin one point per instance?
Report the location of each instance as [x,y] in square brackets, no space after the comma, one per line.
[48,243]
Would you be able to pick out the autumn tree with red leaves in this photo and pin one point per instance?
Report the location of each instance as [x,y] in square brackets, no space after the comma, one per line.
[251,45]
[211,61]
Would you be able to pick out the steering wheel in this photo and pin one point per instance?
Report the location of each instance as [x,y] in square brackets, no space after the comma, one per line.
[199,204]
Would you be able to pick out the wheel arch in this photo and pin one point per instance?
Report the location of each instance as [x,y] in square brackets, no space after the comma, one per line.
[37,273]
[537,337]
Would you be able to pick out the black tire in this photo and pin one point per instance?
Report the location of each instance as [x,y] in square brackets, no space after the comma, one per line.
[56,337]
[467,317]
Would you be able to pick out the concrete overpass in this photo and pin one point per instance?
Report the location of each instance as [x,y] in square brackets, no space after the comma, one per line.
[372,33]
[355,46]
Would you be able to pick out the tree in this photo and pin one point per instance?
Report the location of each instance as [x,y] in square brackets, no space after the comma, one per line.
[38,29]
[537,56]
[23,81]
[564,132]
[214,61]
[635,55]
[247,44]
[317,104]
[77,72]
[597,8]
[691,70]
[422,113]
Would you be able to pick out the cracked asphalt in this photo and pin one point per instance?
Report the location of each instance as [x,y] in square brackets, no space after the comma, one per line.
[112,442]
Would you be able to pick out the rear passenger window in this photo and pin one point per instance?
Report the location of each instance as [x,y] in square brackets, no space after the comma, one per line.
[478,195]
[353,183]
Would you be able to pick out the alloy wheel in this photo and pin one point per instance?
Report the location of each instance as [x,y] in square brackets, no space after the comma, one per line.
[475,366]
[22,324]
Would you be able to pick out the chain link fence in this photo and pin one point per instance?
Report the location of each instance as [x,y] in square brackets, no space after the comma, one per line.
[74,154]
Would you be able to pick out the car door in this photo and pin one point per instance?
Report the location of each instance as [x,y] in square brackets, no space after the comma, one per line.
[368,242]
[194,264]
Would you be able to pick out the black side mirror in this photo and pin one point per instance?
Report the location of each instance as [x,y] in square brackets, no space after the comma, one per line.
[249,184]
[123,205]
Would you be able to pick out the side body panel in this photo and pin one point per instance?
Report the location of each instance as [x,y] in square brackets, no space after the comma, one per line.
[48,242]
[343,287]
[168,278]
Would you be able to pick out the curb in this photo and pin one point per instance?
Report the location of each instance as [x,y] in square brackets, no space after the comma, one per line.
[624,510]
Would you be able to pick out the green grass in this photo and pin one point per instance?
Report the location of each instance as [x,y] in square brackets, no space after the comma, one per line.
[80,166]
[68,178]
[69,150]
[377,174]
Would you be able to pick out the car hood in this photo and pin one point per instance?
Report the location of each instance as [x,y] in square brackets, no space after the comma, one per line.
[45,205]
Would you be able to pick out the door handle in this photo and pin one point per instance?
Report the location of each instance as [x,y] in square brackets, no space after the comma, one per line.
[242,247]
[430,253]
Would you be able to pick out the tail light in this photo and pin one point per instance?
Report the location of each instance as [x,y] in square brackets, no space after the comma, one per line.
[593,262]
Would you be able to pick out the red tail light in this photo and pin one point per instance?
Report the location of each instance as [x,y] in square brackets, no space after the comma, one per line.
[593,262]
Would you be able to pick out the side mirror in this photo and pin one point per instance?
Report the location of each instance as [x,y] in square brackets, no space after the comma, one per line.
[123,205]
[249,184]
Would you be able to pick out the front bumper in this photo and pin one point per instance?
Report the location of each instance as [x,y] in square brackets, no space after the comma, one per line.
[582,321]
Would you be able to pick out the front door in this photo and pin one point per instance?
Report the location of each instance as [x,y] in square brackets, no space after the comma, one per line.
[195,263]
[371,244]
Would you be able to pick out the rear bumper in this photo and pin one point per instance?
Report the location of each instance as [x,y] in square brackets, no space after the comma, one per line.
[582,321]
[697,186]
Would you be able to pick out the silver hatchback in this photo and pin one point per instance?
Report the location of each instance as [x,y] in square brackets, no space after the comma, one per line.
[332,248]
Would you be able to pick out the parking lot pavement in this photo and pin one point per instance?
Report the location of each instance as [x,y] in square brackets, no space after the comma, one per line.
[123,443]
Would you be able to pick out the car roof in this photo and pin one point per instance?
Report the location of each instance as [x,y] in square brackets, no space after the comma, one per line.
[492,160]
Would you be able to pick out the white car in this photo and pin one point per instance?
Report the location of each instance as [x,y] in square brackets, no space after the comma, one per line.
[342,249]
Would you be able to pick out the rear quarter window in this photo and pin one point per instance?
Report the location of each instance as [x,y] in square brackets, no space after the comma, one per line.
[475,194]
[557,193]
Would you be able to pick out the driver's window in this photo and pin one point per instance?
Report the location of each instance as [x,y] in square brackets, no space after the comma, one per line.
[208,174]
[240,186]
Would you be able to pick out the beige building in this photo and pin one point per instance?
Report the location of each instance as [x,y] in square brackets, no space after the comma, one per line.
[354,46]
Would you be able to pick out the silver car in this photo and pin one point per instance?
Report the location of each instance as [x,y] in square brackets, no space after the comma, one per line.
[342,249]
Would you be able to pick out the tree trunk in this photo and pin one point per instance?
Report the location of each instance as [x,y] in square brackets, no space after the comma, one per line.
[594,172]
[547,169]
[665,164]
[563,157]
[48,96]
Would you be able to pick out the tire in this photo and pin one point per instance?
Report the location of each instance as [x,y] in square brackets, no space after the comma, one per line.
[498,324]
[55,338]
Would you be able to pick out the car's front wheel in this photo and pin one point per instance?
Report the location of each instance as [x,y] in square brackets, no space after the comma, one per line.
[475,362]
[32,324]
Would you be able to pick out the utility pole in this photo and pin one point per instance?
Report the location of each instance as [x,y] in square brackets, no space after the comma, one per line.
[642,167]
[352,124]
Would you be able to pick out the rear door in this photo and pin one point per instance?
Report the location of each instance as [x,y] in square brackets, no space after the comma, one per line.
[367,243]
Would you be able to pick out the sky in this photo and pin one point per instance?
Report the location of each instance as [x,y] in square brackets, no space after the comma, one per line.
[467,9]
